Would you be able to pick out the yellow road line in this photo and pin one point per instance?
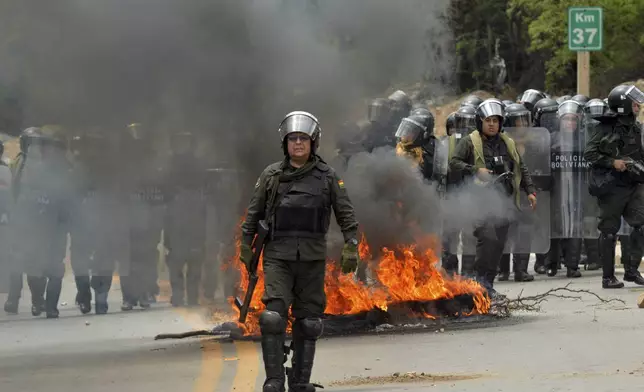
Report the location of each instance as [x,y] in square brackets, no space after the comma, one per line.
[247,367]
[211,365]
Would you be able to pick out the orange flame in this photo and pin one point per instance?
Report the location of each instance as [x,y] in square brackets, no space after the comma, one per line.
[413,276]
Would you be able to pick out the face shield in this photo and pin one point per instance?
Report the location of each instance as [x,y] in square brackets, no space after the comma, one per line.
[635,95]
[379,112]
[409,131]
[569,122]
[490,108]
[300,122]
[464,121]
[596,108]
[569,107]
[531,96]
[519,120]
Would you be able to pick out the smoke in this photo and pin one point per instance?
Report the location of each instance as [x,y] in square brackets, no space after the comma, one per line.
[394,203]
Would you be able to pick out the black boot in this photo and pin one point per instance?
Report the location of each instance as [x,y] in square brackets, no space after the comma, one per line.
[305,334]
[521,262]
[84,294]
[11,306]
[37,286]
[572,257]
[273,337]
[540,264]
[632,263]
[504,268]
[54,286]
[554,255]
[607,257]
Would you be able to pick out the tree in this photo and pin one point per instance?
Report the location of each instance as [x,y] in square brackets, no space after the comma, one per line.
[621,58]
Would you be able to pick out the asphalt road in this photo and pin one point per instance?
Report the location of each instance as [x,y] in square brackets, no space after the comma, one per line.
[572,345]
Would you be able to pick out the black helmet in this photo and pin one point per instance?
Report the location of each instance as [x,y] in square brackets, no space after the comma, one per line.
[596,108]
[465,118]
[300,122]
[425,117]
[421,111]
[543,106]
[531,97]
[507,102]
[563,98]
[515,113]
[401,104]
[582,99]
[489,108]
[379,111]
[450,123]
[621,98]
[471,100]
[413,131]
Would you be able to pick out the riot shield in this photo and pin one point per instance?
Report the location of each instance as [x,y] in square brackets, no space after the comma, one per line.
[530,231]
[573,210]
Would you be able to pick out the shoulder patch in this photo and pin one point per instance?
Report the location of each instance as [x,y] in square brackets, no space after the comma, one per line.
[341,183]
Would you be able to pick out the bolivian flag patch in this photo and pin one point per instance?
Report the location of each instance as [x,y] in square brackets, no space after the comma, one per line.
[341,184]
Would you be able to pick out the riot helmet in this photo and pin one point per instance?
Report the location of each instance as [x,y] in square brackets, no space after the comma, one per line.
[507,102]
[421,111]
[413,131]
[379,111]
[450,123]
[563,98]
[581,98]
[401,105]
[472,100]
[570,114]
[596,108]
[465,118]
[530,98]
[516,115]
[300,122]
[544,114]
[489,108]
[622,98]
[425,117]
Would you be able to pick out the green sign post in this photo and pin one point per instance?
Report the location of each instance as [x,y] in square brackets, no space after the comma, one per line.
[585,34]
[585,25]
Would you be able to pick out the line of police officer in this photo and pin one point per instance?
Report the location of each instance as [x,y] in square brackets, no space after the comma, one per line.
[114,197]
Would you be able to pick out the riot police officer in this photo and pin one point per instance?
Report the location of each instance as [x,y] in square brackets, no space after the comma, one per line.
[476,155]
[517,116]
[147,203]
[41,188]
[416,139]
[185,222]
[612,148]
[295,198]
[450,123]
[530,97]
[581,99]
[400,108]
[98,218]
[377,131]
[472,100]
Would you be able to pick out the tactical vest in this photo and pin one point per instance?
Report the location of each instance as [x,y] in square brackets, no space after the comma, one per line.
[479,160]
[304,211]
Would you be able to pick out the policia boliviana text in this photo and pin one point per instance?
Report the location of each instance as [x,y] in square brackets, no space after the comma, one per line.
[475,156]
[615,142]
[295,197]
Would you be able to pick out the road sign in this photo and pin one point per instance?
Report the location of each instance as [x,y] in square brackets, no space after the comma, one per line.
[585,25]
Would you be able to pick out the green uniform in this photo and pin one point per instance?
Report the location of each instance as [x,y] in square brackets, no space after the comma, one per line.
[618,193]
[295,253]
[475,152]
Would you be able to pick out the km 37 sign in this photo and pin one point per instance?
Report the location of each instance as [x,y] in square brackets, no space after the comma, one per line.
[585,25]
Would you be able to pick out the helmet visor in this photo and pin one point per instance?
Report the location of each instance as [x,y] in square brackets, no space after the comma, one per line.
[409,131]
[519,120]
[463,121]
[490,108]
[635,94]
[596,109]
[299,123]
[531,96]
[569,107]
[379,112]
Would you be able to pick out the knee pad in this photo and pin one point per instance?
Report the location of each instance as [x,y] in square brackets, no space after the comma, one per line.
[311,327]
[277,306]
[271,323]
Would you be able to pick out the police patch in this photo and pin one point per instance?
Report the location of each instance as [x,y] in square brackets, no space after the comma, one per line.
[341,184]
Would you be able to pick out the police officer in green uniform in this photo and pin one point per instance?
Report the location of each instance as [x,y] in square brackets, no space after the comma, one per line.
[41,188]
[619,191]
[475,155]
[295,197]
